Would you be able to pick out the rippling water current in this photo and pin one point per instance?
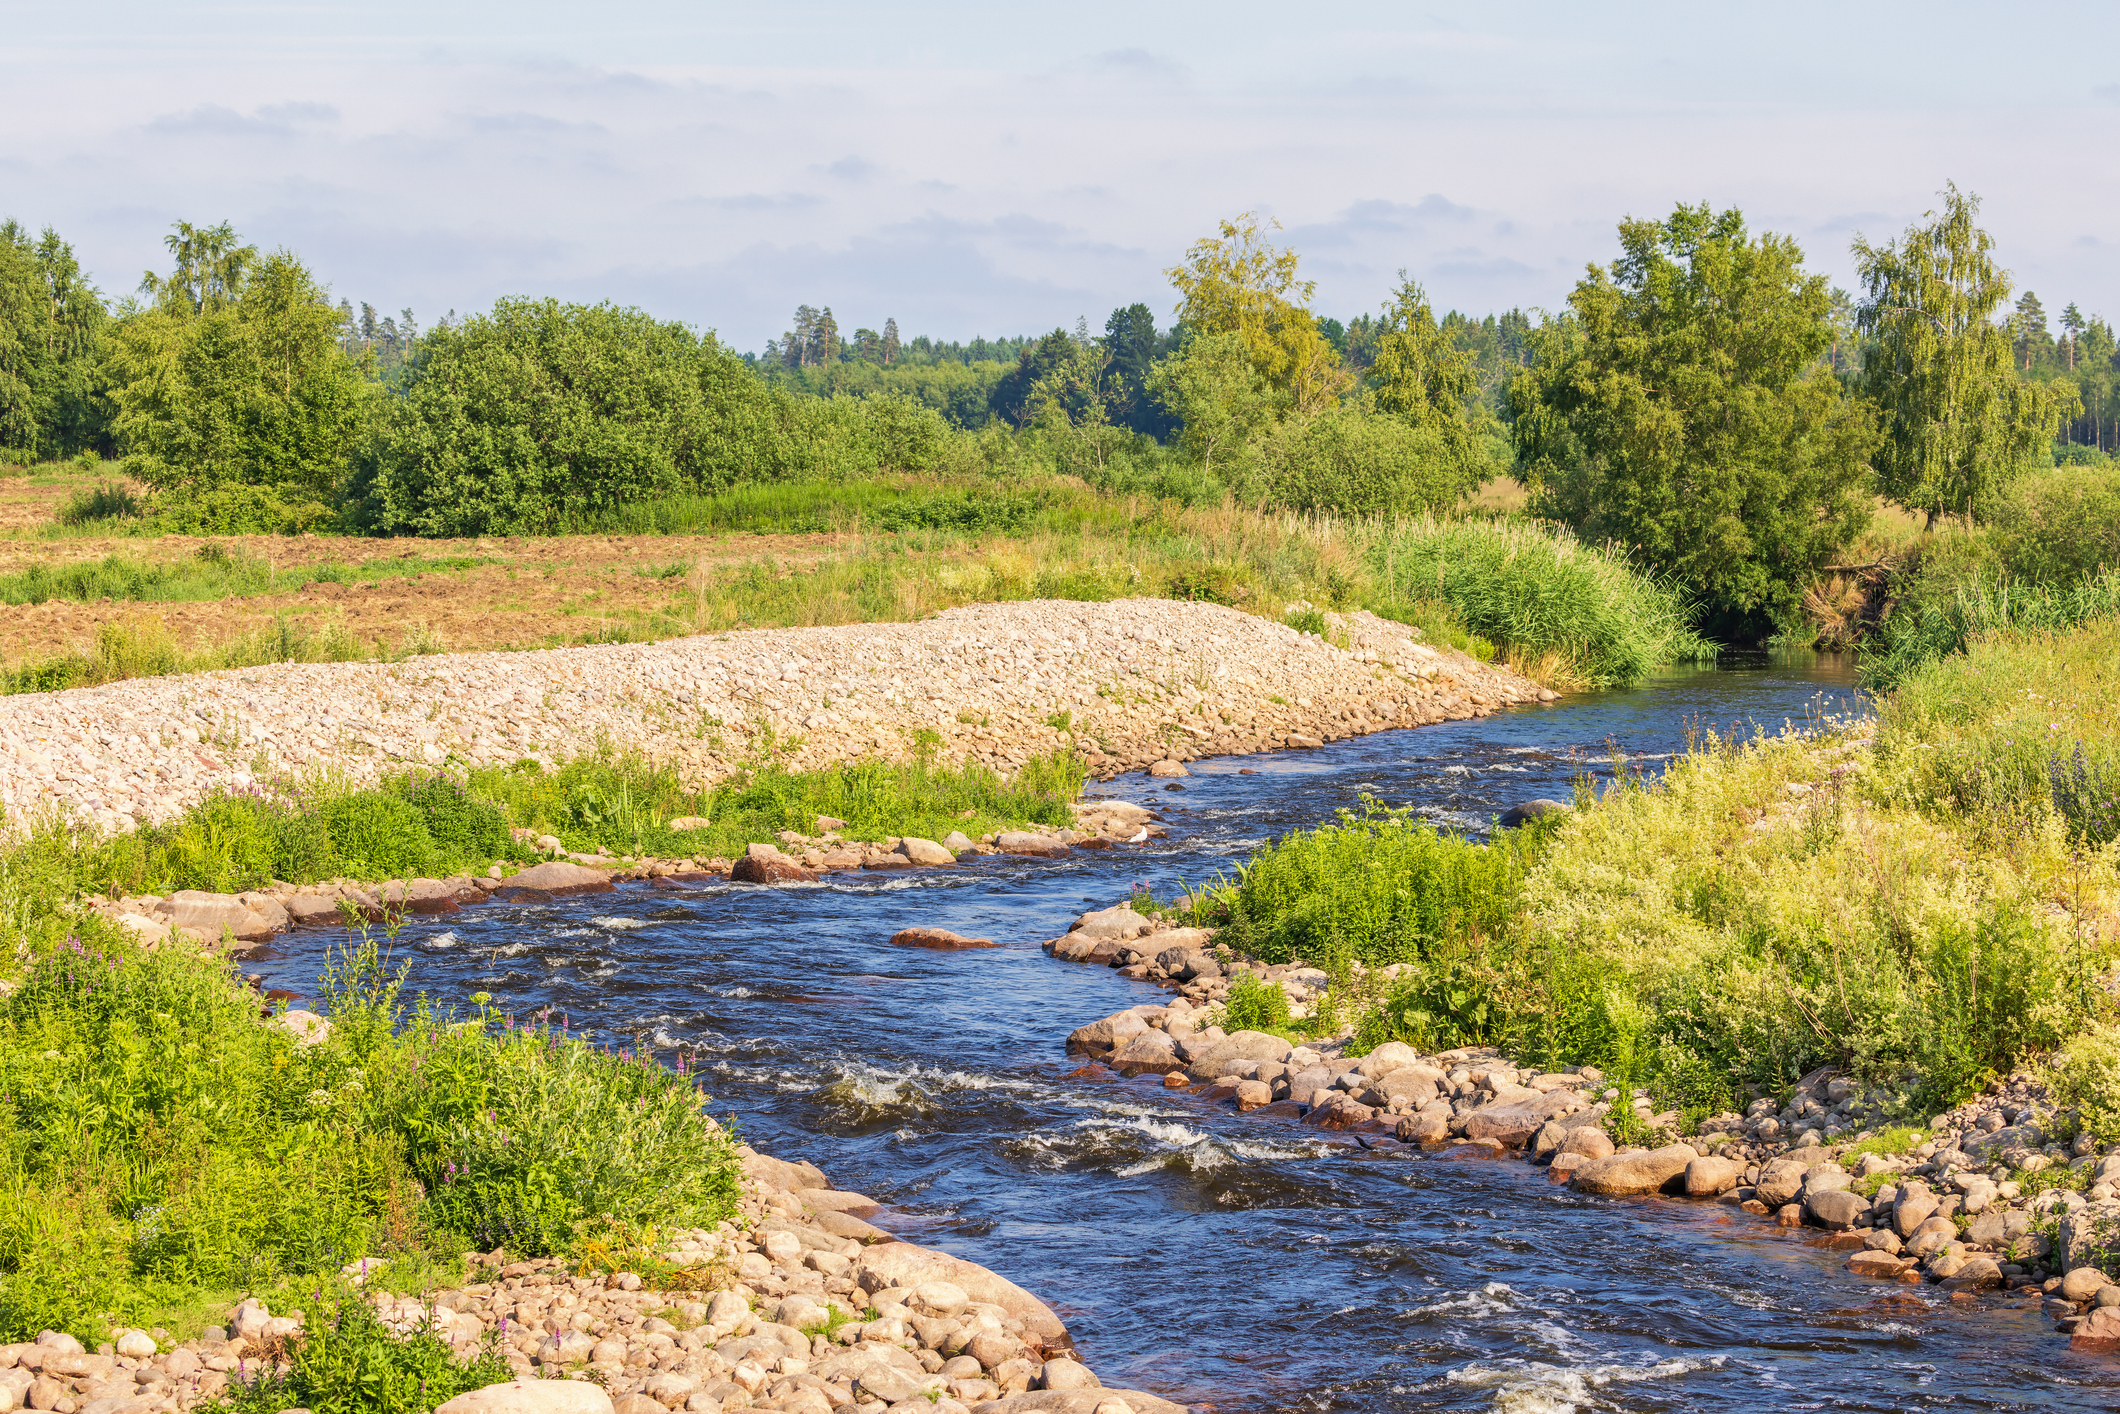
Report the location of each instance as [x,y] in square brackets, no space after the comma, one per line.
[1206,1256]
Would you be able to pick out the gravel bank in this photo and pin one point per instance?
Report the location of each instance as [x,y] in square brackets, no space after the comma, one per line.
[1140,680]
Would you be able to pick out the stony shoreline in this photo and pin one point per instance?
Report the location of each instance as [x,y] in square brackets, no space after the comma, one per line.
[1986,1203]
[1128,683]
[800,1305]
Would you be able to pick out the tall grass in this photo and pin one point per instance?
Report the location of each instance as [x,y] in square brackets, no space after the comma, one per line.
[2024,728]
[212,573]
[1920,633]
[1584,614]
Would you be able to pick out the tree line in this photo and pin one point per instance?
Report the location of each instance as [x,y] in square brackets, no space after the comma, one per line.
[1703,400]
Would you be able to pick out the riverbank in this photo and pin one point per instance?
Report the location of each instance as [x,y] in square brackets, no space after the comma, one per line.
[1126,684]
[800,1303]
[1852,979]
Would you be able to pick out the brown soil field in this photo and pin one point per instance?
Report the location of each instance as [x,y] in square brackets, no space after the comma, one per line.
[519,592]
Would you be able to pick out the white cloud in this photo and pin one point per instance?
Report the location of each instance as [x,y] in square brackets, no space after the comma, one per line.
[1011,174]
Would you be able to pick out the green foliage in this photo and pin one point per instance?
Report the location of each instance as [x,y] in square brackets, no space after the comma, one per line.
[1421,375]
[113,500]
[1683,414]
[1253,1005]
[162,1139]
[241,510]
[248,391]
[1377,887]
[1350,460]
[51,325]
[1538,593]
[541,415]
[2017,732]
[378,836]
[1223,400]
[1918,634]
[348,1362]
[2056,526]
[2087,1077]
[1958,422]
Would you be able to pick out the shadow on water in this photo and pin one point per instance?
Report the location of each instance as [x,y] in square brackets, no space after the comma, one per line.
[1208,1256]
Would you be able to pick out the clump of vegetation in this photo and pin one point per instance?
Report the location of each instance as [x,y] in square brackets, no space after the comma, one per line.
[346,1361]
[1375,888]
[1560,610]
[113,500]
[1254,1005]
[619,803]
[163,1139]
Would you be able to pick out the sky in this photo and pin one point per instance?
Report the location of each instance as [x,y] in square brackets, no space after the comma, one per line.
[989,170]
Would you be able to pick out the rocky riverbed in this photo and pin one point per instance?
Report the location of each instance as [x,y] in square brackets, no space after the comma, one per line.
[1129,683]
[1986,1200]
[800,1305]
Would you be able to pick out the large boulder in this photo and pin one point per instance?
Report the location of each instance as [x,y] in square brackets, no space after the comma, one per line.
[1390,1056]
[2098,1335]
[937,940]
[1213,1063]
[1106,1033]
[1590,1141]
[1916,1205]
[1110,923]
[2090,1237]
[774,868]
[909,1265]
[1025,842]
[1711,1175]
[1835,1208]
[532,1397]
[210,913]
[1780,1180]
[1515,1121]
[1417,1083]
[1639,1171]
[1530,810]
[557,876]
[1144,1053]
[921,851]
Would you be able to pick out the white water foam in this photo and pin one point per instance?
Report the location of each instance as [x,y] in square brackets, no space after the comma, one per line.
[1487,1301]
[440,940]
[1534,1387]
[574,933]
[735,993]
[620,924]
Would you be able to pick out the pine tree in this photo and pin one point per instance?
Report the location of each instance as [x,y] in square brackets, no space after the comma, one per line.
[2031,328]
[890,342]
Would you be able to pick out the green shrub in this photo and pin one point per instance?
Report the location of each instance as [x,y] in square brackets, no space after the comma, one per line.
[239,510]
[1924,631]
[1378,887]
[379,836]
[2087,1076]
[346,1361]
[1352,461]
[1538,593]
[113,500]
[1254,1005]
[2056,526]
[2022,727]
[463,827]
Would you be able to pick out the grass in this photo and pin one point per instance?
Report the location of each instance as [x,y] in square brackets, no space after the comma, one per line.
[2021,734]
[212,573]
[1925,914]
[139,650]
[1920,633]
[621,804]
[431,823]
[167,1148]
[1562,611]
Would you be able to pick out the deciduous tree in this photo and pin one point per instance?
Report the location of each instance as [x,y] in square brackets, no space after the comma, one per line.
[1685,412]
[1959,422]
[1241,283]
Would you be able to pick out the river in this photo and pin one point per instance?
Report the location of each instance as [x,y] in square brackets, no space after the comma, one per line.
[1207,1256]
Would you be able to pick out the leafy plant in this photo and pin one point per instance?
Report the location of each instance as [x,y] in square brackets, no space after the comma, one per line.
[346,1361]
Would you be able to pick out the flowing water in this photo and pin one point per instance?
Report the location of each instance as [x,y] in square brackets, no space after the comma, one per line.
[1207,1256]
